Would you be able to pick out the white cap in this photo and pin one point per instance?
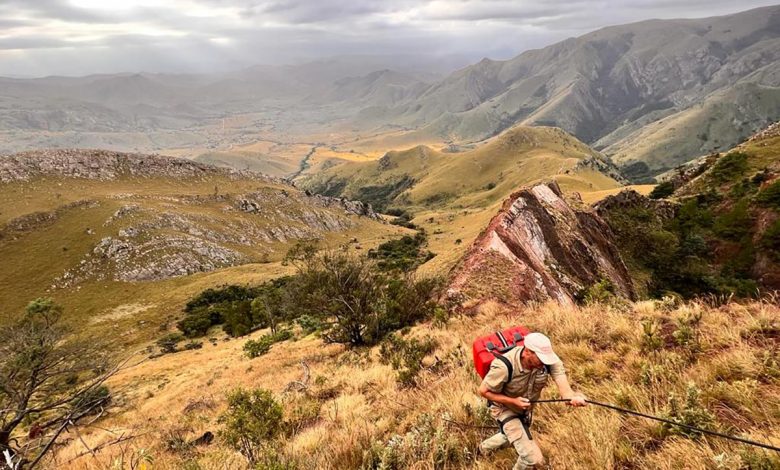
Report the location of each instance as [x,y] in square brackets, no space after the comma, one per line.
[540,344]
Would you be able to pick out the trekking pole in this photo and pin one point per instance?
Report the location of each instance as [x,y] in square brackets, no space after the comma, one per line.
[667,421]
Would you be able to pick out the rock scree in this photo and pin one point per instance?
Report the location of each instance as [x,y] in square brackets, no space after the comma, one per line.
[539,248]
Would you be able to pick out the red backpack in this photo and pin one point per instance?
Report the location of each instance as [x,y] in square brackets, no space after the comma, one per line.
[493,346]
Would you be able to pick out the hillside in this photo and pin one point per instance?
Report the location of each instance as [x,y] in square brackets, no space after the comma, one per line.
[672,88]
[405,399]
[713,226]
[422,177]
[353,412]
[120,238]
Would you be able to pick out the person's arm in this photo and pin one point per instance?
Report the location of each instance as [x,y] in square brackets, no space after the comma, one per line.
[519,403]
[565,391]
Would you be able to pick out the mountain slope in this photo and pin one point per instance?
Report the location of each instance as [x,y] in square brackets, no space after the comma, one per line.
[606,86]
[100,230]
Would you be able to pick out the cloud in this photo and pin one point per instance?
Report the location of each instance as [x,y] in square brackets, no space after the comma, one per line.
[202,35]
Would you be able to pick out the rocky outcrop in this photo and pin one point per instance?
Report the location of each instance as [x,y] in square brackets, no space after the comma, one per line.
[107,165]
[630,199]
[602,166]
[539,248]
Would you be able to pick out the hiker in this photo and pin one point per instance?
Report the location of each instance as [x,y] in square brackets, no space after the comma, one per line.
[509,394]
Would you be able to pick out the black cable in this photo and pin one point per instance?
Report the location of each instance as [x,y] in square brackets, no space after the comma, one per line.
[669,421]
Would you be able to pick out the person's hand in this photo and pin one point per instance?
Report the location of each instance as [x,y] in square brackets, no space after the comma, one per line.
[578,400]
[521,403]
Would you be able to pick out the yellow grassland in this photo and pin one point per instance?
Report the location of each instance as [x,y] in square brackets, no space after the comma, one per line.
[363,411]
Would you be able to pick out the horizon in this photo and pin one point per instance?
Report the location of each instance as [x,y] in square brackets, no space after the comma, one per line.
[76,38]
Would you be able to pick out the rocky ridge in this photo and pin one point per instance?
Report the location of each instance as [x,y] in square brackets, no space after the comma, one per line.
[539,248]
[107,165]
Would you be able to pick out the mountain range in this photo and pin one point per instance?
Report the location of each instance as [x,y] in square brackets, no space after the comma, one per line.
[648,95]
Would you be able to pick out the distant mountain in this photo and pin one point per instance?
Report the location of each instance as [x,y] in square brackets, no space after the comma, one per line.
[657,93]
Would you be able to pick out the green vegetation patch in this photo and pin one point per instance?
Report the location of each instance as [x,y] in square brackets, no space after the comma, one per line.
[770,196]
[663,190]
[402,254]
[730,167]
[380,196]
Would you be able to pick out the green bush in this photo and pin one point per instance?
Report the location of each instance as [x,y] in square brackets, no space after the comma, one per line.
[690,413]
[197,323]
[405,357]
[260,346]
[662,190]
[770,196]
[239,309]
[600,292]
[309,324]
[251,423]
[735,224]
[730,167]
[355,301]
[403,254]
[222,295]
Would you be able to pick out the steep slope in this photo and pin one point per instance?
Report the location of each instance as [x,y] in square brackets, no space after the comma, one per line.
[605,87]
[98,229]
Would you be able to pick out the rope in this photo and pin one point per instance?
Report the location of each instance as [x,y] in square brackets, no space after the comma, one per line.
[669,421]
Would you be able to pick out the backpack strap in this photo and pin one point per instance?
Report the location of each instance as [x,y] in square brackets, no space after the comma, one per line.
[508,364]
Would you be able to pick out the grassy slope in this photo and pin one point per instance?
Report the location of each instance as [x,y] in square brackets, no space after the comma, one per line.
[33,259]
[517,157]
[354,415]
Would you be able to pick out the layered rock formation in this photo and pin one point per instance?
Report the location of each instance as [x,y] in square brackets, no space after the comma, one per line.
[539,248]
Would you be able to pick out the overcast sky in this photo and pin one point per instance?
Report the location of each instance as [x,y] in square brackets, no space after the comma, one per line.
[79,37]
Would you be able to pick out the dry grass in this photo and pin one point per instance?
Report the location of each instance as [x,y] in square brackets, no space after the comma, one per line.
[365,419]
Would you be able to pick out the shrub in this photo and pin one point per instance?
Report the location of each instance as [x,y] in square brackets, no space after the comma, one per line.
[252,421]
[730,167]
[356,302]
[600,292]
[309,324]
[690,413]
[196,324]
[222,295]
[405,356]
[662,190]
[403,254]
[256,348]
[735,224]
[770,196]
[190,345]
[651,336]
[687,332]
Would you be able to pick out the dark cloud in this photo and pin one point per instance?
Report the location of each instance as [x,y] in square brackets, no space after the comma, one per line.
[204,35]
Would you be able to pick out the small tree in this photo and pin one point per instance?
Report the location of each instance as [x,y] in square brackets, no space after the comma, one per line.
[354,300]
[253,419]
[47,382]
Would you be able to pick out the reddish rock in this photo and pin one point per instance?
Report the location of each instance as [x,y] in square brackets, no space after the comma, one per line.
[540,248]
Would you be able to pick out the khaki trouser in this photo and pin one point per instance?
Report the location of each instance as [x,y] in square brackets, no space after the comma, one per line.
[514,433]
